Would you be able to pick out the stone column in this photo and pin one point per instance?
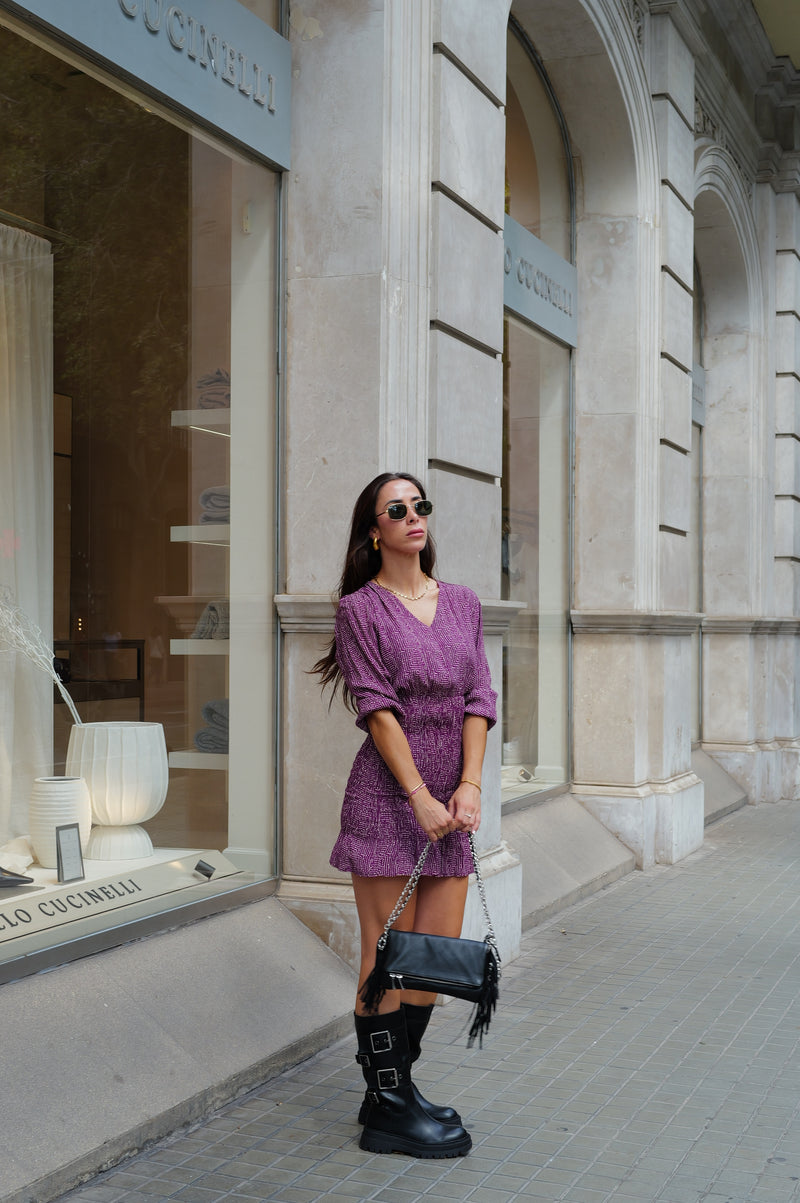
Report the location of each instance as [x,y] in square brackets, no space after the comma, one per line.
[395,330]
[632,619]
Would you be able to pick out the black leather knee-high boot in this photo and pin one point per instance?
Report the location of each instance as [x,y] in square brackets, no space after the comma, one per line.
[417,1019]
[395,1121]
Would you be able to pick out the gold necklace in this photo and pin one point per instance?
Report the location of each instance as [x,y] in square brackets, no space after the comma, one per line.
[406,596]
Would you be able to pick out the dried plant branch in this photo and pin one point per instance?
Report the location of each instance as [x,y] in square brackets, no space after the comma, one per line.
[18,633]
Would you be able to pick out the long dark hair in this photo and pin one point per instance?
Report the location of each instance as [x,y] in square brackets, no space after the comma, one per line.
[361,563]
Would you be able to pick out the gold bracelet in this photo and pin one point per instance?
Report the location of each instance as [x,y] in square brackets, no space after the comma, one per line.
[415,790]
[466,781]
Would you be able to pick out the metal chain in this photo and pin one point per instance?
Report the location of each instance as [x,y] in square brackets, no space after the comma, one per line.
[411,886]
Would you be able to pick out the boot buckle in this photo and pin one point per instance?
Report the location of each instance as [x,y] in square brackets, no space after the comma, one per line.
[388,1079]
[381,1041]
[363,1059]
[374,1097]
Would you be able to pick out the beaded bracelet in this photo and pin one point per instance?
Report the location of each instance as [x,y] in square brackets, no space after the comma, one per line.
[466,781]
[415,790]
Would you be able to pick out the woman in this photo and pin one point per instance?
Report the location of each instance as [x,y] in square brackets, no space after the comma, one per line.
[408,653]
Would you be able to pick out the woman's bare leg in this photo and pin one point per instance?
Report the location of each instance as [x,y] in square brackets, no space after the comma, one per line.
[375,900]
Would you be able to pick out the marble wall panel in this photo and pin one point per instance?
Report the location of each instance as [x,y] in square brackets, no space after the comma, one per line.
[680,823]
[336,228]
[787,342]
[669,705]
[674,571]
[787,282]
[466,527]
[727,556]
[474,33]
[332,422]
[787,222]
[467,283]
[468,151]
[787,405]
[786,578]
[465,405]
[605,511]
[787,466]
[671,66]
[677,237]
[318,750]
[606,360]
[675,148]
[787,527]
[676,404]
[610,709]
[674,485]
[728,715]
[676,321]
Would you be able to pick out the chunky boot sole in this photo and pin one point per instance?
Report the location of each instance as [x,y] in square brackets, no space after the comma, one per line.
[373,1141]
[442,1115]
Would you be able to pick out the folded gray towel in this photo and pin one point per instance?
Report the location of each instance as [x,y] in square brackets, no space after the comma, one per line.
[214,390]
[214,622]
[214,737]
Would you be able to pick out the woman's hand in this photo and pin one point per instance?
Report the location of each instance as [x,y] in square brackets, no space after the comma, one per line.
[433,817]
[465,807]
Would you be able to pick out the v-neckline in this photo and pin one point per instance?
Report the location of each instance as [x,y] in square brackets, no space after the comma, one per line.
[401,603]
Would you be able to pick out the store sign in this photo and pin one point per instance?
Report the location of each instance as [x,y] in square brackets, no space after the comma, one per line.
[33,910]
[540,286]
[212,59]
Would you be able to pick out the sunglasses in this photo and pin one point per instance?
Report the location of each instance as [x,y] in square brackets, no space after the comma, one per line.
[399,509]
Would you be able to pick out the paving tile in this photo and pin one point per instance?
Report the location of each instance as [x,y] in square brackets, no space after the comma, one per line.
[646,1050]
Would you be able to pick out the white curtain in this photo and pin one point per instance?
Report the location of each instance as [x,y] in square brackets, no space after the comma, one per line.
[26,512]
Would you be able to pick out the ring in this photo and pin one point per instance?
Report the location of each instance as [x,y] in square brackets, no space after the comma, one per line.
[468,816]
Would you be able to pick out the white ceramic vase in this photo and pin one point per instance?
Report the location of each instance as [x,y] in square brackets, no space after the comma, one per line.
[54,802]
[125,767]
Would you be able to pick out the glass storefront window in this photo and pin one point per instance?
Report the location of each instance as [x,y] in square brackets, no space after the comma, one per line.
[535,560]
[536,455]
[137,409]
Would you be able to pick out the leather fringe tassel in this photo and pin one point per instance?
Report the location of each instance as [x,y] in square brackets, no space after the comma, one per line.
[486,1005]
[372,991]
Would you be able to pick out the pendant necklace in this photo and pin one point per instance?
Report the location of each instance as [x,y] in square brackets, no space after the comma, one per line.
[405,596]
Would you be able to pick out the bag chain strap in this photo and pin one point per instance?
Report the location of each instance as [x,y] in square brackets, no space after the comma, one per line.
[411,885]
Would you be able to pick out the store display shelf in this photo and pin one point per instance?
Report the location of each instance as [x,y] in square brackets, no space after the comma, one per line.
[198,760]
[211,421]
[199,647]
[217,533]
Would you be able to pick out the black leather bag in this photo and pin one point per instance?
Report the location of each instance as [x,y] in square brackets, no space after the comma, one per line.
[407,960]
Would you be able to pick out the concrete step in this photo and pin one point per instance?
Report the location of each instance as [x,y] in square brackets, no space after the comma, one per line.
[566,854]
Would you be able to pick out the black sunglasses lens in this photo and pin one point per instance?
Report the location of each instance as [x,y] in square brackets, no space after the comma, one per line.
[397,511]
[423,508]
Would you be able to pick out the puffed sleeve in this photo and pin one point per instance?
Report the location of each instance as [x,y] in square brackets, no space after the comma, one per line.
[480,699]
[358,656]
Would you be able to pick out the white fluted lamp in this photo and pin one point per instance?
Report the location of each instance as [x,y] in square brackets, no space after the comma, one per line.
[125,768]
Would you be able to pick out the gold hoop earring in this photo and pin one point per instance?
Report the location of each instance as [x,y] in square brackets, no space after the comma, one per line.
[374,542]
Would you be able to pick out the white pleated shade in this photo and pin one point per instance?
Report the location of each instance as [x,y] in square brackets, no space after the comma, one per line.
[125,768]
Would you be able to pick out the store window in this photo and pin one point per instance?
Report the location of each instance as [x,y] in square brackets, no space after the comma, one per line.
[536,447]
[137,353]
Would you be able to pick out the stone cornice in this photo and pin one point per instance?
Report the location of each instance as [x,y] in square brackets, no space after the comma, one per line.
[315,612]
[721,624]
[634,622]
[305,611]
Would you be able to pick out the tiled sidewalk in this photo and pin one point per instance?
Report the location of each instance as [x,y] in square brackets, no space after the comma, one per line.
[646,1048]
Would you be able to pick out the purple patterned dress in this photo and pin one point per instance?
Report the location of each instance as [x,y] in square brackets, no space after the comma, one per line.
[430,677]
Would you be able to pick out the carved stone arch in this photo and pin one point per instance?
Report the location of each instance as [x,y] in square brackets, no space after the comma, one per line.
[593,59]
[736,527]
